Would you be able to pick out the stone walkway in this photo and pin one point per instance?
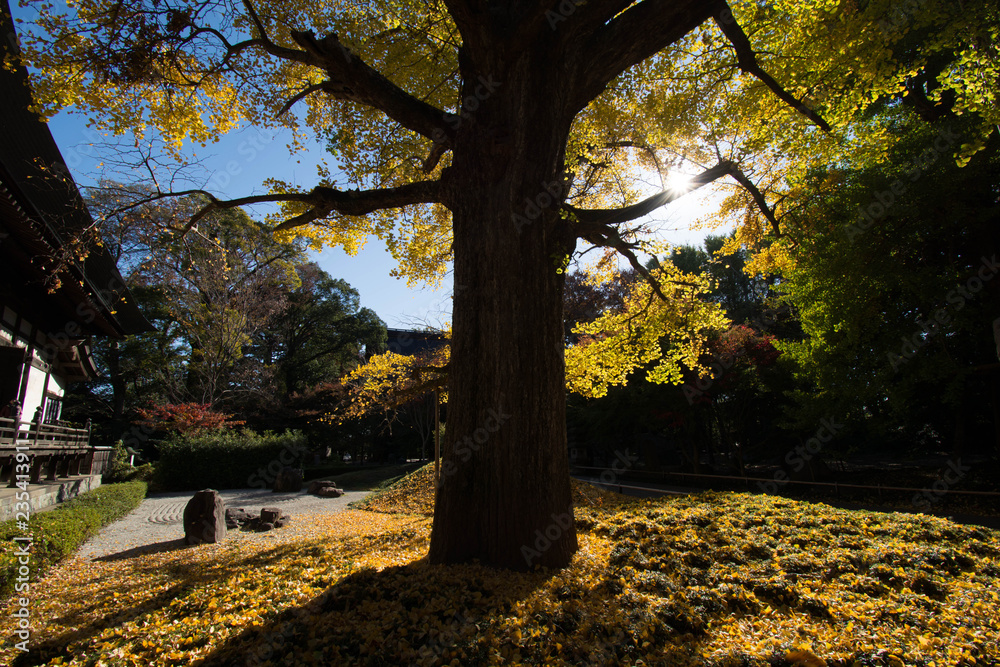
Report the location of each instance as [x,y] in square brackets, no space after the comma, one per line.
[156,525]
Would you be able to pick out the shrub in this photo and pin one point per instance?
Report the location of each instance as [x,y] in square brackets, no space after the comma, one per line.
[119,468]
[226,459]
[143,473]
[59,532]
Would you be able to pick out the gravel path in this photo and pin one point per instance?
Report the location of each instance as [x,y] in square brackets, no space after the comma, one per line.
[156,525]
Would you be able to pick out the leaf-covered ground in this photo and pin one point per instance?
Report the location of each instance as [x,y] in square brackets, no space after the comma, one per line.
[714,579]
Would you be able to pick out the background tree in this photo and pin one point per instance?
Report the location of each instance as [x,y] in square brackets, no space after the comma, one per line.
[321,334]
[882,263]
[241,319]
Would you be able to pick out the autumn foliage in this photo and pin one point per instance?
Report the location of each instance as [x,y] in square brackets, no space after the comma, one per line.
[186,418]
[714,580]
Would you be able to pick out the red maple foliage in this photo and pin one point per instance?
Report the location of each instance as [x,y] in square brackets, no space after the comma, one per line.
[186,417]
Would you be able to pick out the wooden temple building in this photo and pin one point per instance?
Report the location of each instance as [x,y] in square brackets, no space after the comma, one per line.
[51,305]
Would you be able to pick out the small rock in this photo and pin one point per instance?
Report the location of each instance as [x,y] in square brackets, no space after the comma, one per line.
[269,514]
[236,517]
[205,518]
[325,488]
[265,525]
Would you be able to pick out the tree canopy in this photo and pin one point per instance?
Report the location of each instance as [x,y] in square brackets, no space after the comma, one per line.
[492,137]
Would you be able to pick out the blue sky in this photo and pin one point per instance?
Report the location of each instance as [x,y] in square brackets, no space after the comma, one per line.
[238,165]
[240,162]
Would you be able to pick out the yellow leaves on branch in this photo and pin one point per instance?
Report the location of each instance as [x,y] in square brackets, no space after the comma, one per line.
[671,335]
[390,380]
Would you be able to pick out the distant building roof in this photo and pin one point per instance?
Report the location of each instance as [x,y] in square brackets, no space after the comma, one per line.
[40,210]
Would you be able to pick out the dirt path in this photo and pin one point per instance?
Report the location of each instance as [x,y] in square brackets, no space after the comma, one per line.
[156,524]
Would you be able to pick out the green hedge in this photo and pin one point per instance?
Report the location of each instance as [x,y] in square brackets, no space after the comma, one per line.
[227,459]
[59,532]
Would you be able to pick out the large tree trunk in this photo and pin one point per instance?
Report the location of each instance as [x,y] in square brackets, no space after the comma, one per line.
[118,387]
[504,496]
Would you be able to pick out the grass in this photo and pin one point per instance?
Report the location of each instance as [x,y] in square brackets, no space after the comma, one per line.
[719,579]
[372,478]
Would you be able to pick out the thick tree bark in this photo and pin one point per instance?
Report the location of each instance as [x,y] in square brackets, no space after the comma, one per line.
[504,495]
[117,383]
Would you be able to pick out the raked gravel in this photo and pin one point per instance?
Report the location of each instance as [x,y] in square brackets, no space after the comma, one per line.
[156,524]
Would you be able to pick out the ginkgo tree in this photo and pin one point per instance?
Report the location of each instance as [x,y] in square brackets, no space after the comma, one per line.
[493,136]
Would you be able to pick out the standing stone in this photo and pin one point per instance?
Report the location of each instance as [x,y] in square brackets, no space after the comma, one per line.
[205,518]
[288,480]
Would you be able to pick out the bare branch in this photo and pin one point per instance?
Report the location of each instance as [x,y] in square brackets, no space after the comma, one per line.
[300,95]
[261,32]
[589,220]
[437,152]
[758,198]
[747,59]
[323,202]
[326,201]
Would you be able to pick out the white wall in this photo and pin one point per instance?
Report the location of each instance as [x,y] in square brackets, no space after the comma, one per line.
[33,397]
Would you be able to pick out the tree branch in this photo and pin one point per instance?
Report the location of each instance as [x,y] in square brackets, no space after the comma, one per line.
[758,198]
[628,39]
[616,216]
[323,202]
[599,226]
[747,59]
[354,80]
[326,201]
[301,95]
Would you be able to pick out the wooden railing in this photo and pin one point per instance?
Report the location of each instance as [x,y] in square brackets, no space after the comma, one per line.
[31,451]
[14,431]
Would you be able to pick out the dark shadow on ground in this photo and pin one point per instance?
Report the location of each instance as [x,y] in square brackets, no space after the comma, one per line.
[434,614]
[187,574]
[146,549]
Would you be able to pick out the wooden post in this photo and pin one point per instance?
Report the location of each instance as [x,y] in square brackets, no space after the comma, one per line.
[437,438]
[38,425]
